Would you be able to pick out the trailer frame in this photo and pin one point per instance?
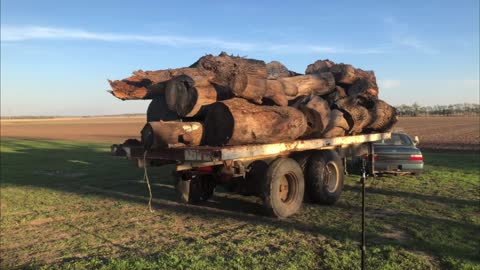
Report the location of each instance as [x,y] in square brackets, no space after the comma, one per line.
[190,157]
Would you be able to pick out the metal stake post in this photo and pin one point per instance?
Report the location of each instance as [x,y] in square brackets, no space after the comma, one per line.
[363,179]
[371,159]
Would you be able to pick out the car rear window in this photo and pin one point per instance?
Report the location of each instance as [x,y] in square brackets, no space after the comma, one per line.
[397,139]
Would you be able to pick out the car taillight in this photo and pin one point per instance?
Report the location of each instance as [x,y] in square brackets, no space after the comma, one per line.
[375,157]
[416,157]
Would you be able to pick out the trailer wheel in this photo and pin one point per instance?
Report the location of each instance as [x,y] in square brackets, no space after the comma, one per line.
[197,189]
[283,188]
[325,177]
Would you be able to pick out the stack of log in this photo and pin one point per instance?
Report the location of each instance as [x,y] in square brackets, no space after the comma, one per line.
[228,100]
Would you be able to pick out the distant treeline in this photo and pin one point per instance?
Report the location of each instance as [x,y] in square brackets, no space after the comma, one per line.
[441,110]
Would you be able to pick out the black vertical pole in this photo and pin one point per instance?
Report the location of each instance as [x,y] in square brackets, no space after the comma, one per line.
[364,176]
[371,159]
[371,154]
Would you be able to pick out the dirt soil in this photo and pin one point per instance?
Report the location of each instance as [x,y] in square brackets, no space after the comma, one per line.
[88,129]
[444,133]
[438,133]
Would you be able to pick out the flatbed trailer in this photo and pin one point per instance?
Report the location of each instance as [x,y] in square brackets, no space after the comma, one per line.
[280,173]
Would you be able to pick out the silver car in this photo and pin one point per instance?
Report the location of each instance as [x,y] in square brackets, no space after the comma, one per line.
[398,155]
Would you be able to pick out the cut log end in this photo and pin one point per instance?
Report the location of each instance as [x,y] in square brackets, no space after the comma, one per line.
[180,95]
[219,124]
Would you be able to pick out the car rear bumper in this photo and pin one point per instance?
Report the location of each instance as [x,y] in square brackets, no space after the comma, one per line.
[407,166]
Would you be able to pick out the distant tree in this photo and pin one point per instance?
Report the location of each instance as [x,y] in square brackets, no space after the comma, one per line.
[444,110]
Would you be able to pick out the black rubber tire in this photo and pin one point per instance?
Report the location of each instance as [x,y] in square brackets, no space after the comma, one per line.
[319,189]
[280,171]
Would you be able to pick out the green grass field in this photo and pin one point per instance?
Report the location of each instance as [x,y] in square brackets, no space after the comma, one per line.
[71,205]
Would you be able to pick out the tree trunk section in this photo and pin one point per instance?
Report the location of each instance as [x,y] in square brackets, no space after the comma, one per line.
[277,70]
[246,77]
[284,89]
[317,112]
[149,84]
[236,121]
[319,66]
[188,96]
[347,74]
[158,110]
[357,116]
[365,88]
[171,134]
[337,125]
[336,95]
[384,115]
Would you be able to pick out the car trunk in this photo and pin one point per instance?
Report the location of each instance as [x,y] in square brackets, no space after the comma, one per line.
[394,153]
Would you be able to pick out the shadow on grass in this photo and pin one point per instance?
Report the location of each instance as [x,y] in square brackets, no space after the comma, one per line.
[84,168]
[417,196]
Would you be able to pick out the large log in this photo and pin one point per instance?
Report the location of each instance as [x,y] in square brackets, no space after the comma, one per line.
[317,112]
[149,84]
[319,66]
[357,116]
[366,88]
[188,96]
[337,125]
[283,89]
[336,95]
[158,110]
[384,115]
[171,134]
[347,74]
[277,70]
[236,121]
[246,77]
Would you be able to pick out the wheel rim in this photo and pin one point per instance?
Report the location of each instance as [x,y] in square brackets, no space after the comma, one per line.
[330,177]
[288,188]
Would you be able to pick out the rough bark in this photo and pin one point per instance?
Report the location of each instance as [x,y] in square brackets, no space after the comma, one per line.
[384,115]
[149,84]
[284,89]
[246,77]
[171,134]
[236,121]
[277,70]
[366,88]
[336,95]
[347,74]
[357,116]
[319,66]
[317,113]
[337,125]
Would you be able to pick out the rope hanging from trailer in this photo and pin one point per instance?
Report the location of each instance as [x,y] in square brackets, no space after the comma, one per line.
[147,180]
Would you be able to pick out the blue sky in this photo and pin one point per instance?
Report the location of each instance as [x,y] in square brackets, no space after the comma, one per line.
[57,55]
